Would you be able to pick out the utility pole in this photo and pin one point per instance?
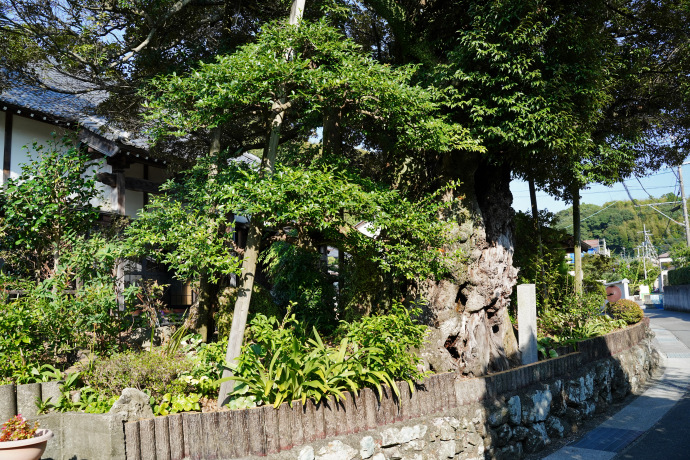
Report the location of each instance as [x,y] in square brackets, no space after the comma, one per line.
[577,239]
[685,205]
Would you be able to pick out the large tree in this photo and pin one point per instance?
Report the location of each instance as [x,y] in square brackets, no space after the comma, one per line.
[563,93]
[542,84]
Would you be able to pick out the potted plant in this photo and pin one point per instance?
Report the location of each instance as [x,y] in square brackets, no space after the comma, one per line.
[21,440]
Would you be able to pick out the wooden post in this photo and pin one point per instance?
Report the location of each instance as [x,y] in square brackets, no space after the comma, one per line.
[7,150]
[147,439]
[132,446]
[176,438]
[118,206]
[191,424]
[162,432]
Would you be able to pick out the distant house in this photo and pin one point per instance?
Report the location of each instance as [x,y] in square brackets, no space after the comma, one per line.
[598,246]
[569,246]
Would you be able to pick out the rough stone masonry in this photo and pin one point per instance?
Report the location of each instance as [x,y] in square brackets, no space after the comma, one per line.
[508,426]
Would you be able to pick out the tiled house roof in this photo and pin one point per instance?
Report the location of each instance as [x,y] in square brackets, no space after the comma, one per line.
[78,109]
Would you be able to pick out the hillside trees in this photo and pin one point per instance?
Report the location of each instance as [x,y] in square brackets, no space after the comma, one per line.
[620,223]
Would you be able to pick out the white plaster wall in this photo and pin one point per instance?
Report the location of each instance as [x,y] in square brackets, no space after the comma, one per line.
[104,201]
[134,201]
[25,132]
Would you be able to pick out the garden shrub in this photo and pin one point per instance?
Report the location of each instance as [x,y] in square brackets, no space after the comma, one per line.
[207,367]
[298,275]
[49,322]
[679,276]
[154,371]
[394,335]
[577,318]
[626,310]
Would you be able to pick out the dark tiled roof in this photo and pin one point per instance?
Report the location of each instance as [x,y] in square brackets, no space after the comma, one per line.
[73,108]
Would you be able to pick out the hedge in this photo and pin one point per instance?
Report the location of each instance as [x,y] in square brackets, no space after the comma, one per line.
[679,276]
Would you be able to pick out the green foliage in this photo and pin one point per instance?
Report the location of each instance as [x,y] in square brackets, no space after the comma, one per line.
[625,310]
[76,397]
[47,322]
[679,276]
[541,262]
[153,371]
[190,238]
[322,202]
[42,373]
[90,401]
[395,335]
[283,363]
[634,271]
[577,318]
[680,255]
[207,367]
[325,69]
[262,302]
[45,207]
[299,276]
[172,404]
[546,347]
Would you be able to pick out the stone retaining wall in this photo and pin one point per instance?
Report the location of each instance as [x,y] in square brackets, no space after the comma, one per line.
[503,415]
[21,399]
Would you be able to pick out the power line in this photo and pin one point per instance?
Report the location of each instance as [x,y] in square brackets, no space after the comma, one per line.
[645,190]
[592,215]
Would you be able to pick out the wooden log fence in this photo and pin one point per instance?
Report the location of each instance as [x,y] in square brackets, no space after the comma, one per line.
[267,430]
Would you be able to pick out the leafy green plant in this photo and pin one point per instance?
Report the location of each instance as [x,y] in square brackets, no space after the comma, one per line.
[679,276]
[262,302]
[93,401]
[207,367]
[546,347]
[45,206]
[298,276]
[49,321]
[393,337]
[577,318]
[283,363]
[626,310]
[172,404]
[42,373]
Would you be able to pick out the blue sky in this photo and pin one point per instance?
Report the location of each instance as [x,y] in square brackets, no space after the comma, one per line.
[655,184]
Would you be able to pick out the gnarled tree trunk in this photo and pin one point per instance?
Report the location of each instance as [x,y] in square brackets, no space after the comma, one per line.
[472,332]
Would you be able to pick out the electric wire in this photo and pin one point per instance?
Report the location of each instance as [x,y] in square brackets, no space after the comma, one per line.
[592,215]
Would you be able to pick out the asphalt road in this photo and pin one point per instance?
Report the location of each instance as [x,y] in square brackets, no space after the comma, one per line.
[668,439]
